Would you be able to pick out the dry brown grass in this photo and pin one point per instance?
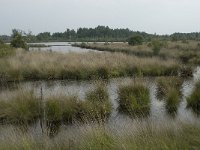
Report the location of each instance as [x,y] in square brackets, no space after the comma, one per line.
[48,65]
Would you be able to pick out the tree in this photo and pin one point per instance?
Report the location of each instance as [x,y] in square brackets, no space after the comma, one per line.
[135,40]
[18,40]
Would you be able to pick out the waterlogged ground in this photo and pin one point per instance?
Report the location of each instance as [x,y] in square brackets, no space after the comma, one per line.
[77,88]
[63,47]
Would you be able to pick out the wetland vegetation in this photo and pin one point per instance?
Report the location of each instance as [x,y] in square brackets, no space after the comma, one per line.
[119,98]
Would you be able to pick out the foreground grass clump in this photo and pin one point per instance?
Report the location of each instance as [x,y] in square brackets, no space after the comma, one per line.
[134,100]
[193,101]
[21,109]
[49,66]
[135,137]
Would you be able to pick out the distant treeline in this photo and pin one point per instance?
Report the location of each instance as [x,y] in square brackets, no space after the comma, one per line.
[98,34]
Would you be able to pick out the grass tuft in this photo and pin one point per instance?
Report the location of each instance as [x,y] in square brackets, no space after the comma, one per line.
[134,100]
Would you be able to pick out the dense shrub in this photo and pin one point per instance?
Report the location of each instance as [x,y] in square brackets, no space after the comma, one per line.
[18,41]
[135,40]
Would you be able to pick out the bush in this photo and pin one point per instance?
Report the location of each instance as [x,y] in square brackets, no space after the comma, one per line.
[18,41]
[156,46]
[135,40]
[134,100]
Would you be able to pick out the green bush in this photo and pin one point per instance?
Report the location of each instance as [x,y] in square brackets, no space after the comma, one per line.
[156,46]
[134,100]
[18,40]
[135,40]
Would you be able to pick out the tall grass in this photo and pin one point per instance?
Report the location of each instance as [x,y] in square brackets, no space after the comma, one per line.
[172,101]
[97,106]
[187,53]
[49,66]
[137,137]
[169,89]
[193,101]
[23,108]
[6,50]
[134,100]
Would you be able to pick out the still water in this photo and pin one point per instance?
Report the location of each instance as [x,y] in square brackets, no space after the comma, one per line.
[64,47]
[80,88]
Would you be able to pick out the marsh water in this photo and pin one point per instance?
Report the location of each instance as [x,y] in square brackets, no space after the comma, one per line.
[80,88]
[63,47]
[158,112]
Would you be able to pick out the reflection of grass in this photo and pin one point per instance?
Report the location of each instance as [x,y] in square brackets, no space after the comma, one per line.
[165,84]
[37,45]
[25,107]
[172,101]
[49,66]
[194,99]
[170,90]
[134,137]
[134,100]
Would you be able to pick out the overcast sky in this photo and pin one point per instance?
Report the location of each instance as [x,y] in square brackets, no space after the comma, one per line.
[152,16]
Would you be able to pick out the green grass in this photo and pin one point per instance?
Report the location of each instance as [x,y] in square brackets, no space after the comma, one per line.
[6,50]
[23,108]
[97,106]
[193,101]
[134,100]
[172,101]
[61,109]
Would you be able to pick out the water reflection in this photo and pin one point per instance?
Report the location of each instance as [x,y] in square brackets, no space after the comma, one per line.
[63,47]
[158,110]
